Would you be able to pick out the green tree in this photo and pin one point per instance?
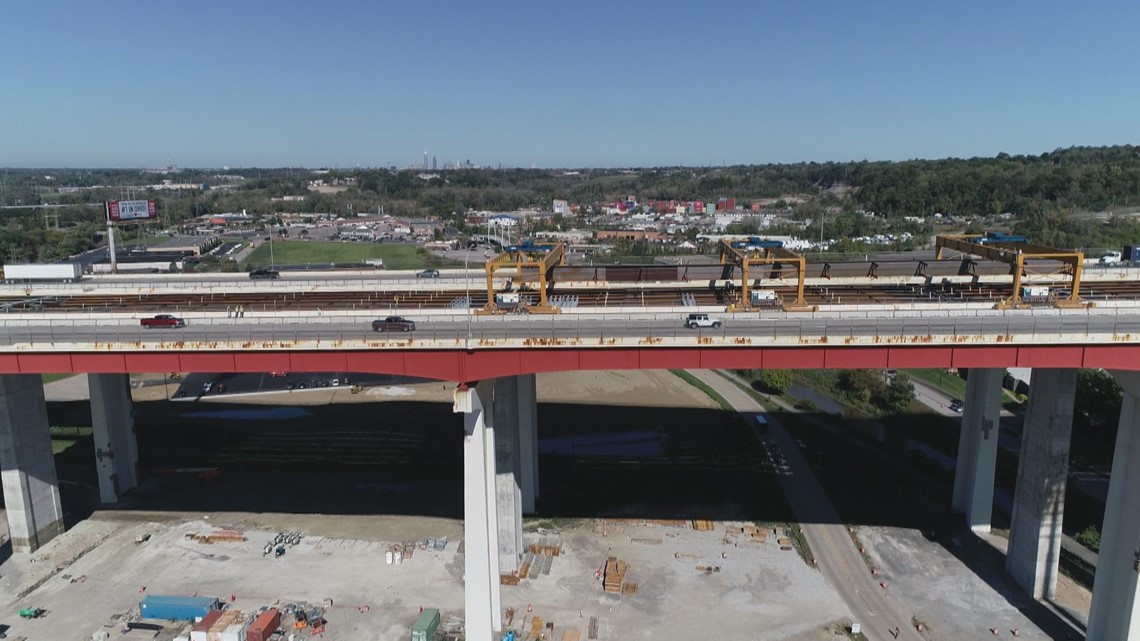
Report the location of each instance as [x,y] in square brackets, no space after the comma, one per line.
[775,380]
[1098,394]
[1090,538]
[861,385]
[899,393]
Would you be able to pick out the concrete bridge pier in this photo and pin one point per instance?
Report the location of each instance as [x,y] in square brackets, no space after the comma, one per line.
[1115,611]
[977,448]
[27,465]
[1042,472]
[481,600]
[528,440]
[500,469]
[116,450]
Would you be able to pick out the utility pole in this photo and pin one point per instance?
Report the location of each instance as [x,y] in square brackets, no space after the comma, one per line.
[111,244]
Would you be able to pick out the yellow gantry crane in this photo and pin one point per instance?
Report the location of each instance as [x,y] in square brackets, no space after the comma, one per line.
[529,255]
[757,251]
[1015,251]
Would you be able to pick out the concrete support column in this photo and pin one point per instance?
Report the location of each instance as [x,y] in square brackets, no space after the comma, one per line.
[1039,500]
[116,451]
[528,440]
[508,472]
[1115,612]
[977,448]
[480,513]
[27,466]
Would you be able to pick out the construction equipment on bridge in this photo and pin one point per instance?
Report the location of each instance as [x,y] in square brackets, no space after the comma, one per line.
[1015,251]
[542,257]
[762,251]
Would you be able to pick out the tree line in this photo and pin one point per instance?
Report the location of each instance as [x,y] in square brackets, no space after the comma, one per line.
[1041,192]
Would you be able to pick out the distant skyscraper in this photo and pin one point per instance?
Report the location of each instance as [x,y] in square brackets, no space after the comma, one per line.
[433,165]
[425,160]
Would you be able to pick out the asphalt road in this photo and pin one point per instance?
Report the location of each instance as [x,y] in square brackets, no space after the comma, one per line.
[838,558]
[565,326]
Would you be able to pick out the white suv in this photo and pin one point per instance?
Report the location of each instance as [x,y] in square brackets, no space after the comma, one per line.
[693,321]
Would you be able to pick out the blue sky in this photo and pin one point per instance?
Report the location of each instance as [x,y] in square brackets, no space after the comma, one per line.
[560,84]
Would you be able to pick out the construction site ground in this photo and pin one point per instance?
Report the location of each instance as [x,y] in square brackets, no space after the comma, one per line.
[689,583]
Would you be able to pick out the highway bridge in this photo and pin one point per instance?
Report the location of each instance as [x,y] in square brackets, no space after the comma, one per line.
[322,323]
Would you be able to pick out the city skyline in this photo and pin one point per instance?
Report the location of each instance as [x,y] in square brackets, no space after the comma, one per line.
[637,85]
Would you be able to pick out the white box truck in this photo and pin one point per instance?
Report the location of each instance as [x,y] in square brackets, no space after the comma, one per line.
[56,272]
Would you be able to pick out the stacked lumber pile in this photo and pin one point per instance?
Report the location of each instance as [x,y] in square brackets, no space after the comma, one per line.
[545,548]
[759,535]
[614,575]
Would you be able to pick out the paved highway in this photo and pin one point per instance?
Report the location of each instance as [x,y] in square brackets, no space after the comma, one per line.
[81,328]
[838,558]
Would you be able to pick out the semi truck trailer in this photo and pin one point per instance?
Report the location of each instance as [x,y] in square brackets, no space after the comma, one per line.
[56,272]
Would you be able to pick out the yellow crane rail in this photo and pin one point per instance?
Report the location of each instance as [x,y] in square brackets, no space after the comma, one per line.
[542,257]
[1015,254]
[757,252]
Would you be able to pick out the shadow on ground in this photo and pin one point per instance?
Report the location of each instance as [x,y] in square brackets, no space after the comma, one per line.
[399,457]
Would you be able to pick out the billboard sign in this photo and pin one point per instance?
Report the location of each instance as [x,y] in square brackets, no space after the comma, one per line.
[122,210]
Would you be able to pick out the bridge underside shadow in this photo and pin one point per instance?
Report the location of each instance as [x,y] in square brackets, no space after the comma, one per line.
[405,458]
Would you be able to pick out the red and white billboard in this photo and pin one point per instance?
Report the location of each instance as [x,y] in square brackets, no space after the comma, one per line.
[118,210]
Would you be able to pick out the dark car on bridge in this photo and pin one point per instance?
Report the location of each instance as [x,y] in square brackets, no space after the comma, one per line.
[264,274]
[393,324]
[428,273]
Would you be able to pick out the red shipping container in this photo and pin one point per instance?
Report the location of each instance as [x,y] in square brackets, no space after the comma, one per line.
[264,626]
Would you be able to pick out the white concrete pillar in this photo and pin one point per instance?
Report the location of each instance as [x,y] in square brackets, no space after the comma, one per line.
[508,472]
[116,450]
[977,448]
[27,465]
[1115,611]
[1042,472]
[480,516]
[528,440]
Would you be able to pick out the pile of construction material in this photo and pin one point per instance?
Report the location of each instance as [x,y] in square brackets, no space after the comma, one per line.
[217,536]
[221,625]
[755,534]
[538,558]
[613,578]
[397,552]
[437,545]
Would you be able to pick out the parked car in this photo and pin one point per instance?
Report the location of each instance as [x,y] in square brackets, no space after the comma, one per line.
[393,324]
[956,405]
[428,273]
[693,321]
[264,274]
[162,320]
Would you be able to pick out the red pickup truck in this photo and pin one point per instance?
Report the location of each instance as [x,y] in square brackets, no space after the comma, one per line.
[162,320]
